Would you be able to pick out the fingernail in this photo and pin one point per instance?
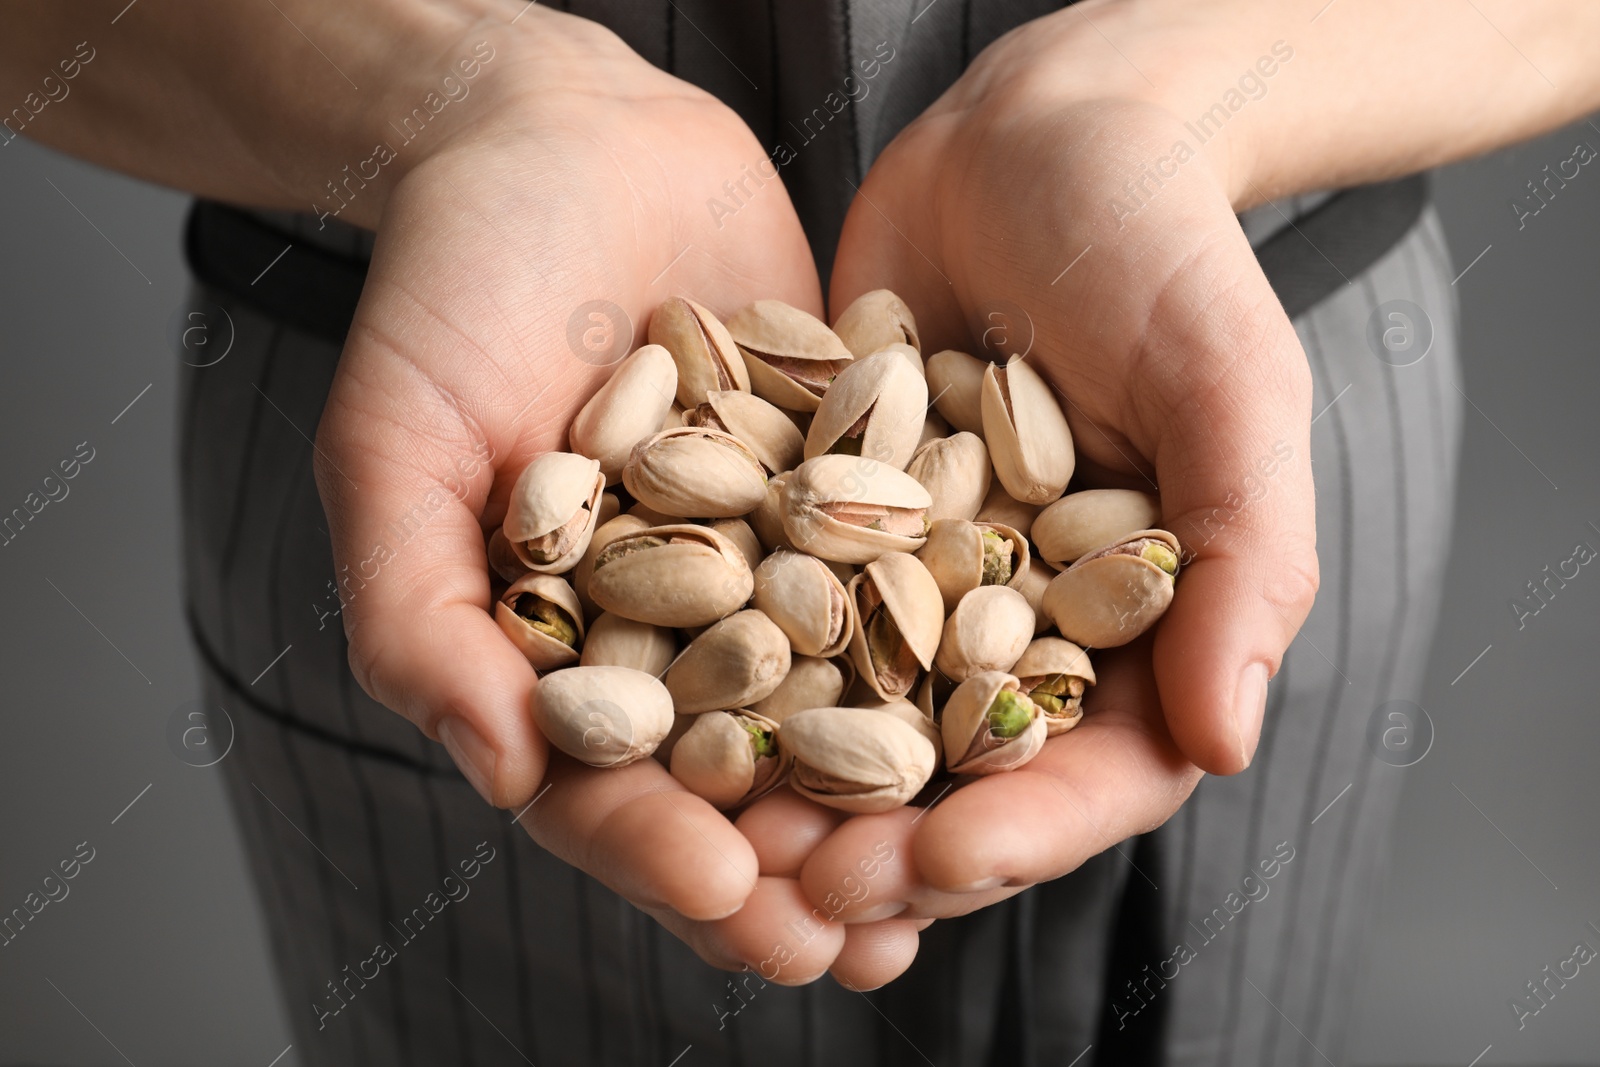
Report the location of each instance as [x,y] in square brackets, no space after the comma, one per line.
[981,885]
[1249,708]
[887,910]
[472,754]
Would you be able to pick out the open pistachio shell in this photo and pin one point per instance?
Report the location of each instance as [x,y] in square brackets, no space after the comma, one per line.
[1027,434]
[603,716]
[767,518]
[913,716]
[989,725]
[899,619]
[681,575]
[856,760]
[955,471]
[764,429]
[873,409]
[613,641]
[552,513]
[791,356]
[502,559]
[1053,672]
[962,555]
[701,347]
[874,321]
[636,398]
[806,600]
[955,382]
[988,631]
[695,473]
[812,682]
[729,758]
[604,534]
[1115,593]
[732,664]
[542,616]
[853,510]
[1002,508]
[1079,523]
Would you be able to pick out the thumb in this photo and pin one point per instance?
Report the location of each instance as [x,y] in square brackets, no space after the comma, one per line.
[1234,464]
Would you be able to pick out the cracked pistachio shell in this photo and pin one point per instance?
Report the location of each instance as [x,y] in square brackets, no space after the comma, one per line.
[791,356]
[695,473]
[502,559]
[739,532]
[971,745]
[671,576]
[1034,583]
[955,471]
[553,511]
[912,716]
[806,600]
[1114,594]
[767,518]
[702,348]
[542,616]
[988,631]
[716,758]
[857,760]
[954,554]
[1046,659]
[1079,523]
[899,617]
[613,641]
[853,510]
[1002,508]
[1027,434]
[607,532]
[733,664]
[812,682]
[603,716]
[955,381]
[763,428]
[874,321]
[636,397]
[874,409]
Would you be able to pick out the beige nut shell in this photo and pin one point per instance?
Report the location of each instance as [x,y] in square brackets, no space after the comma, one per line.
[873,321]
[734,663]
[955,382]
[969,748]
[701,347]
[541,650]
[558,490]
[988,631]
[603,716]
[695,579]
[716,762]
[910,597]
[850,481]
[885,393]
[882,761]
[1029,442]
[693,472]
[1108,599]
[1079,523]
[807,601]
[637,397]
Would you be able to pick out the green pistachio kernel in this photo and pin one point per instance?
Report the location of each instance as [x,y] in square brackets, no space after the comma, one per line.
[996,558]
[762,741]
[1010,714]
[548,619]
[1162,556]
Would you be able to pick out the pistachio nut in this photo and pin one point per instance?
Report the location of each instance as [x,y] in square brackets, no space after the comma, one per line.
[1002,509]
[671,576]
[732,664]
[702,348]
[1079,523]
[873,409]
[1115,593]
[934,428]
[696,473]
[912,716]
[502,559]
[604,534]
[1053,672]
[613,641]
[729,758]
[853,510]
[791,356]
[988,631]
[603,716]
[963,555]
[552,513]
[955,472]
[1034,583]
[806,600]
[651,517]
[764,429]
[874,321]
[1027,434]
[767,518]
[955,382]
[812,682]
[542,616]
[856,760]
[680,726]
[739,532]
[990,725]
[899,618]
[636,398]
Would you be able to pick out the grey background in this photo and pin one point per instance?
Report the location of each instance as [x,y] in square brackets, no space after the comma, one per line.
[157,955]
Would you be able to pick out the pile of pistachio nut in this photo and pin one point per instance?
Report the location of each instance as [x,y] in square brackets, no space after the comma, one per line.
[829,561]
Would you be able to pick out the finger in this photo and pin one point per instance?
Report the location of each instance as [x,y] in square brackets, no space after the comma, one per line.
[875,954]
[1116,775]
[643,835]
[783,827]
[1233,459]
[780,935]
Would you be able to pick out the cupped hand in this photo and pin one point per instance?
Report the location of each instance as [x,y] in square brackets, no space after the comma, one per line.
[514,262]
